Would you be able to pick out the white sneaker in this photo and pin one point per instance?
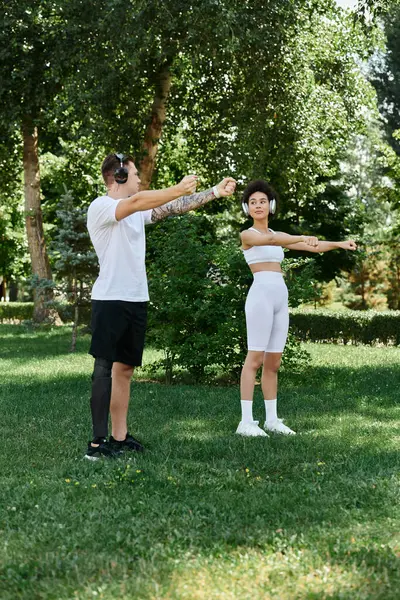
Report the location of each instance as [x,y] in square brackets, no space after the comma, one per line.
[250,429]
[279,427]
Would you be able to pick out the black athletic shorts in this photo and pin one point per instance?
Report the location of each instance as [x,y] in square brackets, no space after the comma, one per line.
[118,331]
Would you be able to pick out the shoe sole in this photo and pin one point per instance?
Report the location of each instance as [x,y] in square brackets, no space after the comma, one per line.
[281,432]
[249,435]
[93,458]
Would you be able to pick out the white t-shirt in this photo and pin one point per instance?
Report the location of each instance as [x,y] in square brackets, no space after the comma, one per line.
[120,247]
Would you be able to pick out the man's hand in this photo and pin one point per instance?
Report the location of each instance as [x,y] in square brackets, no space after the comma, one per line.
[226,187]
[188,185]
[310,240]
[348,245]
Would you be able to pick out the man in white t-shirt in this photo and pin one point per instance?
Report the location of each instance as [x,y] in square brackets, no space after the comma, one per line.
[119,297]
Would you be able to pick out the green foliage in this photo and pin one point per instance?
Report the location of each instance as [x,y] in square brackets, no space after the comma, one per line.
[301,278]
[74,258]
[331,215]
[385,74]
[179,256]
[12,241]
[366,327]
[16,311]
[23,311]
[13,251]
[393,274]
[385,77]
[72,165]
[243,102]
[73,254]
[34,56]
[240,103]
[363,282]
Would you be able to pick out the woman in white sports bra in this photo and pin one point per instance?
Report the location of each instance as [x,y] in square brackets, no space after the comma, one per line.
[267,313]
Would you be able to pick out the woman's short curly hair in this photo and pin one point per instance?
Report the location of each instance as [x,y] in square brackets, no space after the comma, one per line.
[260,185]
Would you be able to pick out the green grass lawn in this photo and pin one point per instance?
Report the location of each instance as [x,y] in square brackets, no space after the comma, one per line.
[203,514]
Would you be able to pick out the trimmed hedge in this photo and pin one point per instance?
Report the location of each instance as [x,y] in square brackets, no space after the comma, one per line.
[23,311]
[358,327]
[319,325]
[16,311]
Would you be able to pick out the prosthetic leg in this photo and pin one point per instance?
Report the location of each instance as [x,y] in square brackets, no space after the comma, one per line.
[101,396]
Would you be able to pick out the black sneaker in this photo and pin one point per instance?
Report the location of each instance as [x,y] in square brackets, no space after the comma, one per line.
[103,450]
[129,443]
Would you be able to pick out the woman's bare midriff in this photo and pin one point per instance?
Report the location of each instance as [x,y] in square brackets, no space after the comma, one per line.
[266,266]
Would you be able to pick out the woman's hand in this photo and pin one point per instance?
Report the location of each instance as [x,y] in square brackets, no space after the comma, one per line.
[348,245]
[310,240]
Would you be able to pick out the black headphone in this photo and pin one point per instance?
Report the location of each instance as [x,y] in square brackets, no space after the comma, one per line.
[121,174]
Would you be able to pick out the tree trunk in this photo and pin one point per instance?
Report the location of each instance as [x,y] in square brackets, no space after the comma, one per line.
[13,291]
[3,289]
[169,366]
[363,291]
[154,128]
[34,221]
[76,314]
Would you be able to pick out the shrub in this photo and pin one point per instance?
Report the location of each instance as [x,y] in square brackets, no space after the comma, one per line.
[75,261]
[16,311]
[23,311]
[357,327]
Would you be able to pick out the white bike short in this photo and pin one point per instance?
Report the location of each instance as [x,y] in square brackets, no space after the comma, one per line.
[267,312]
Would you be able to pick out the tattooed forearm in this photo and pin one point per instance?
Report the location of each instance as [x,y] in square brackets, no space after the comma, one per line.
[181,205]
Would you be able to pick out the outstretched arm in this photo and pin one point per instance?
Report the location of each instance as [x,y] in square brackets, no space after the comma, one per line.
[322,246]
[275,238]
[182,205]
[149,199]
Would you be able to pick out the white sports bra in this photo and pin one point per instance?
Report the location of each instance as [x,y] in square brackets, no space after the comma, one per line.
[260,254]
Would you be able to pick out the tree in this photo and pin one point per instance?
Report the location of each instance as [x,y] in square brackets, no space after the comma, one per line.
[33,59]
[242,101]
[277,93]
[75,259]
[284,109]
[368,11]
[385,76]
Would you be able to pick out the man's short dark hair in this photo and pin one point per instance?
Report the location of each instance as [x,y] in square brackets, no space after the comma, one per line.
[259,185]
[110,164]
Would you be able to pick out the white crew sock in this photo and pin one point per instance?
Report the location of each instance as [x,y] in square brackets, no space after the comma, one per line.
[247,411]
[270,411]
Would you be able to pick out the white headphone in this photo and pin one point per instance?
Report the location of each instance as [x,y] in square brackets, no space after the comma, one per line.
[272,207]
